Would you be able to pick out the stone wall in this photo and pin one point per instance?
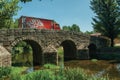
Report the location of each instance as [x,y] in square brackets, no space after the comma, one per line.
[5,57]
[100,41]
[43,38]
[47,37]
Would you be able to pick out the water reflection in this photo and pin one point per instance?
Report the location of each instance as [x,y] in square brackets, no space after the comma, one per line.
[32,68]
[29,70]
[118,67]
[100,73]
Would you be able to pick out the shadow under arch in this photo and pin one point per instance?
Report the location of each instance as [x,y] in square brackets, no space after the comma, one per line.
[92,51]
[37,52]
[70,50]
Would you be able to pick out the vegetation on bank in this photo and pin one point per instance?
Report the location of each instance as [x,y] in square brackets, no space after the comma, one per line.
[50,74]
[22,54]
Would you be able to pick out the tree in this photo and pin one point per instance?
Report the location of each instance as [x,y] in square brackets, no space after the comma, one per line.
[15,23]
[66,28]
[74,27]
[27,50]
[107,19]
[118,2]
[24,51]
[8,8]
[89,32]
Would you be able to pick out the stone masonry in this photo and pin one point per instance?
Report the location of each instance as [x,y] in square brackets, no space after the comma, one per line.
[41,39]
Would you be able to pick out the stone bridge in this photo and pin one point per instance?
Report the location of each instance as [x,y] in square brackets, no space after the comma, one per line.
[75,45]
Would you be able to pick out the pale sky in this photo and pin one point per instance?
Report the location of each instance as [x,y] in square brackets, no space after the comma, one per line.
[64,12]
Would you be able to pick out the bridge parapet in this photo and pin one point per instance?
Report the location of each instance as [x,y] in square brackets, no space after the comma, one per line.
[75,44]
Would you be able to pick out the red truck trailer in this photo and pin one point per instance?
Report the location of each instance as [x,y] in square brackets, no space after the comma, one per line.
[37,23]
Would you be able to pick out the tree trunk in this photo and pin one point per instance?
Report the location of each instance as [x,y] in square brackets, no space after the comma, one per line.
[112,42]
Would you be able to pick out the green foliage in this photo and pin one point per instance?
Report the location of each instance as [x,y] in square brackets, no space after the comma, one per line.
[107,19]
[50,66]
[118,2]
[75,74]
[15,24]
[16,73]
[74,27]
[4,71]
[41,75]
[60,51]
[48,74]
[94,60]
[89,32]
[15,77]
[17,70]
[8,8]
[66,28]
[22,54]
[68,74]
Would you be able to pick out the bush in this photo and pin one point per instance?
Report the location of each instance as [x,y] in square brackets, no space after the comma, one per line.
[5,71]
[94,60]
[48,74]
[50,66]
[43,75]
[15,77]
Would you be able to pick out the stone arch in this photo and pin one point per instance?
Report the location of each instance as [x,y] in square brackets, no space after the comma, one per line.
[70,50]
[36,47]
[92,51]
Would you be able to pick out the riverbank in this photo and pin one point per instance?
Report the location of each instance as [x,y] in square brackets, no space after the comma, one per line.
[97,67]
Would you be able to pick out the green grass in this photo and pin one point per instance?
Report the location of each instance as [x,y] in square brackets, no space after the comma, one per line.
[50,66]
[94,60]
[48,74]
[60,51]
[17,70]
[4,71]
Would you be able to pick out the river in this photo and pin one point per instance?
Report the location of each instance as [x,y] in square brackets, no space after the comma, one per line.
[97,68]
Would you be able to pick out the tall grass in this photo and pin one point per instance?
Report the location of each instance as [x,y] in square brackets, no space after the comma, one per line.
[48,74]
[66,74]
[50,66]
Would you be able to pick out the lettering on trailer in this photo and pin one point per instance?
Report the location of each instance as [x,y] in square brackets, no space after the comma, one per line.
[33,23]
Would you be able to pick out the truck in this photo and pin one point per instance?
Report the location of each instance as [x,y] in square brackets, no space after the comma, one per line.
[37,23]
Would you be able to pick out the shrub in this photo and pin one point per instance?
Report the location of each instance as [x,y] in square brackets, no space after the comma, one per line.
[15,77]
[48,74]
[50,66]
[4,71]
[94,60]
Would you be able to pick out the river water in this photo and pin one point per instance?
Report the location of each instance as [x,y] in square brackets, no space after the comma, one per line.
[97,68]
